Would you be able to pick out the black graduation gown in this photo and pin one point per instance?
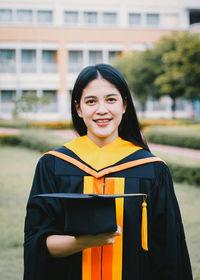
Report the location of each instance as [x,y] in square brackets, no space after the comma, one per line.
[167,257]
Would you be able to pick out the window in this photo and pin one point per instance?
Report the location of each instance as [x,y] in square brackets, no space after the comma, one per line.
[28,61]
[49,101]
[109,18]
[7,61]
[7,99]
[8,96]
[49,61]
[134,19]
[90,17]
[194,16]
[75,61]
[29,92]
[5,15]
[95,57]
[71,17]
[153,19]
[24,16]
[112,55]
[44,16]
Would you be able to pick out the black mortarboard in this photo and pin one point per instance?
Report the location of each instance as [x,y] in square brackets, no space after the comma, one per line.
[89,213]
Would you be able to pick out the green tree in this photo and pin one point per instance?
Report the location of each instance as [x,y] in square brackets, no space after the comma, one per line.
[29,102]
[140,70]
[180,74]
[171,67]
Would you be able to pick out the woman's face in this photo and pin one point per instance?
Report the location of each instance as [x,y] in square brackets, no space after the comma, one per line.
[101,107]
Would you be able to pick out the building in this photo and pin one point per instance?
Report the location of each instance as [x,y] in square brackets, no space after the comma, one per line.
[45,43]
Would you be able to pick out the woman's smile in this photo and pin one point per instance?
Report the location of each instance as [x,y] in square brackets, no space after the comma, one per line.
[101,107]
[102,122]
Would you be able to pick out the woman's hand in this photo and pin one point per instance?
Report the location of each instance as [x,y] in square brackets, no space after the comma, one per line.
[88,241]
[64,245]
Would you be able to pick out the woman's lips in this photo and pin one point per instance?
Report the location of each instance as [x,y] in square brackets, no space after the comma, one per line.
[102,122]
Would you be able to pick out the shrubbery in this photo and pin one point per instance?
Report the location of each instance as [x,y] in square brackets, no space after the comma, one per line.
[9,139]
[145,123]
[51,125]
[15,123]
[41,141]
[19,123]
[174,136]
[44,141]
[148,123]
[187,174]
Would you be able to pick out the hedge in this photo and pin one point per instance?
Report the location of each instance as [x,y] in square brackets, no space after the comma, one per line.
[144,123]
[174,136]
[9,139]
[41,141]
[20,123]
[187,174]
[44,141]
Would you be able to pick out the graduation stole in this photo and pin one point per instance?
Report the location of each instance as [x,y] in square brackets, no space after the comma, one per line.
[105,262]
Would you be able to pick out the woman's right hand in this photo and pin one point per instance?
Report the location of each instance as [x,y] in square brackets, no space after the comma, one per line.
[64,245]
[100,239]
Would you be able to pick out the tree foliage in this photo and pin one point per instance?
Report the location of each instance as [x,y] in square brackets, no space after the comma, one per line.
[29,102]
[140,72]
[171,67]
[180,66]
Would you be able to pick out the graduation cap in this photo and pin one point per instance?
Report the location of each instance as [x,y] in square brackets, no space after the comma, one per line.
[94,213]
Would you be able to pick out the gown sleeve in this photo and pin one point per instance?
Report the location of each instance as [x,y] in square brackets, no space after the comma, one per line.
[41,220]
[169,254]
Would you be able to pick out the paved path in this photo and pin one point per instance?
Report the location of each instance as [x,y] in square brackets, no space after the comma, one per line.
[5,130]
[175,150]
[70,134]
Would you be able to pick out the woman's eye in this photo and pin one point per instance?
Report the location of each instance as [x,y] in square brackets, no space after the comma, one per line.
[111,99]
[90,101]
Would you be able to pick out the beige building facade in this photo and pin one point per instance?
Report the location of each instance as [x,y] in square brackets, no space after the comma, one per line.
[44,44]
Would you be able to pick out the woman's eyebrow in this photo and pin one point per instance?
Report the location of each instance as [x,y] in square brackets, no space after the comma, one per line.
[111,94]
[89,96]
[107,95]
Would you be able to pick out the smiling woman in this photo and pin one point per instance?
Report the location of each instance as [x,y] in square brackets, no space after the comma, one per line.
[109,158]
[101,108]
[104,80]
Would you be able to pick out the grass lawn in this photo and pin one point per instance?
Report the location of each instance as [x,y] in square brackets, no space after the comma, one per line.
[177,159]
[16,172]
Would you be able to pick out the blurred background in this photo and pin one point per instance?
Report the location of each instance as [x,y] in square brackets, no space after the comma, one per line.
[44,44]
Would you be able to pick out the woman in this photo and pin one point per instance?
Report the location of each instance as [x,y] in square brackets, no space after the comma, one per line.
[110,157]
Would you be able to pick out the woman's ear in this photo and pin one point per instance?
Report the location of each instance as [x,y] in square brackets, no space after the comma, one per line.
[124,105]
[78,109]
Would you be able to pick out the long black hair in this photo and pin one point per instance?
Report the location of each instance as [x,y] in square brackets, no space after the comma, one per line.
[129,127]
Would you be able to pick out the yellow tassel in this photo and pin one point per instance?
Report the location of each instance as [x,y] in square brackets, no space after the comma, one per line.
[144,232]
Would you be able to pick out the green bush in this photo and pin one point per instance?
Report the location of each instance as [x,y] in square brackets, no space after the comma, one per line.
[187,174]
[43,141]
[16,123]
[20,123]
[51,124]
[40,140]
[9,139]
[174,136]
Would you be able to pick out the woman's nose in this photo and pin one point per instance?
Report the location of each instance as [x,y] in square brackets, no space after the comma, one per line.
[101,109]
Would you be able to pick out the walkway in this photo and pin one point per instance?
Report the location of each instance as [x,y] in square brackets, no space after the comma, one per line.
[175,150]
[70,134]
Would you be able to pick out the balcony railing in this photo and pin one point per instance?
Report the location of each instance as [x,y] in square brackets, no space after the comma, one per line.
[75,67]
[28,68]
[7,107]
[7,67]
[49,68]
